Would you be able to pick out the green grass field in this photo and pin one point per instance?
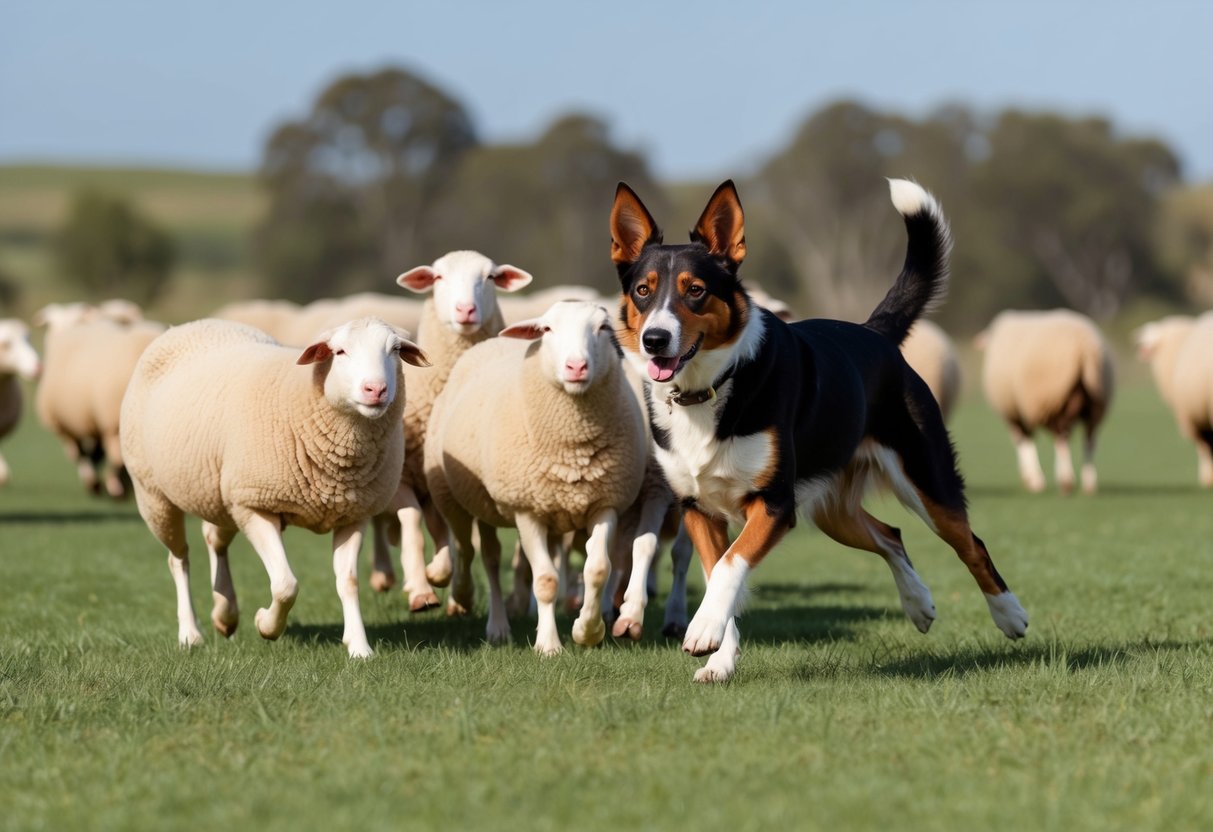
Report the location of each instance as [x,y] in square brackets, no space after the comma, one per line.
[841,716]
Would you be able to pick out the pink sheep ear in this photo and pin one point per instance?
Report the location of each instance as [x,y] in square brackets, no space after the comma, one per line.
[316,353]
[420,279]
[509,278]
[410,353]
[526,330]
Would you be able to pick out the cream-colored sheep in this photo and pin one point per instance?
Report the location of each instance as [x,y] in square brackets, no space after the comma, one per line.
[88,360]
[1048,369]
[120,311]
[462,312]
[17,360]
[524,307]
[1180,351]
[221,422]
[931,354]
[276,318]
[402,313]
[545,436]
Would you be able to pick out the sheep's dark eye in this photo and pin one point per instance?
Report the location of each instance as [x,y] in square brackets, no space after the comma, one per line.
[338,352]
[642,291]
[695,290]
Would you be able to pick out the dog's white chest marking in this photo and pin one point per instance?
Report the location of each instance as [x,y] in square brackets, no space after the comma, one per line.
[716,473]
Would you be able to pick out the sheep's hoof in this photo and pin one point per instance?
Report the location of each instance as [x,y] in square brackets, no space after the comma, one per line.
[518,605]
[589,633]
[627,627]
[423,601]
[438,574]
[1066,487]
[266,630]
[382,581]
[674,629]
[498,633]
[549,649]
[361,651]
[189,639]
[454,609]
[225,625]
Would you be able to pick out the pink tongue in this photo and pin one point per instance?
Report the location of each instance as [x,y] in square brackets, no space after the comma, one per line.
[662,369]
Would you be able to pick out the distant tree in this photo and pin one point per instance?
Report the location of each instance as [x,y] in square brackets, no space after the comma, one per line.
[10,292]
[1078,204]
[351,184]
[106,247]
[544,206]
[1185,242]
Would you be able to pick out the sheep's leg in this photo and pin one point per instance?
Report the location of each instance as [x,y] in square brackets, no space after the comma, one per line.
[82,459]
[1063,462]
[412,551]
[498,628]
[113,466]
[263,532]
[1204,457]
[644,550]
[225,614]
[1090,480]
[1030,472]
[3,471]
[459,600]
[518,603]
[439,570]
[167,523]
[347,540]
[675,624]
[383,574]
[545,583]
[589,629]
[854,527]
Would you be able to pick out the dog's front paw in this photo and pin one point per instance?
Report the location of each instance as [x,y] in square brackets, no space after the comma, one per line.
[1008,614]
[704,634]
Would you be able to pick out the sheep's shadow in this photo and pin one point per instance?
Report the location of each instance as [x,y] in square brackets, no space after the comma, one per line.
[70,517]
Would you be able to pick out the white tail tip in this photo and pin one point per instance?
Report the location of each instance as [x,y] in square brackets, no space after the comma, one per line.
[910,198]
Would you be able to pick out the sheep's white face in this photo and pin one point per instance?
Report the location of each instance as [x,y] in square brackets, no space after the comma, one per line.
[364,369]
[578,343]
[1162,335]
[16,353]
[57,316]
[465,285]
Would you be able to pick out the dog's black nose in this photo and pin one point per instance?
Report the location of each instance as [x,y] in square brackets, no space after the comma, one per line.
[656,340]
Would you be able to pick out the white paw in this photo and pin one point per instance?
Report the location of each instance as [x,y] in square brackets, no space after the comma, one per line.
[919,608]
[1007,613]
[704,633]
[266,626]
[361,651]
[720,668]
[589,633]
[548,646]
[189,637]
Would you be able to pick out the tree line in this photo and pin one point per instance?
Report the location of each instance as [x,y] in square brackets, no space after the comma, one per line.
[387,170]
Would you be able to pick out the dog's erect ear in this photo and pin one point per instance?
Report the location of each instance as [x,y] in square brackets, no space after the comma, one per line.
[721,226]
[632,227]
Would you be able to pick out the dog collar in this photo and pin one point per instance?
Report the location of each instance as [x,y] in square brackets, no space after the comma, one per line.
[692,398]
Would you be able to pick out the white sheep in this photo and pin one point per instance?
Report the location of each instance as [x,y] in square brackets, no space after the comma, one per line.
[525,306]
[88,360]
[276,318]
[931,354]
[543,434]
[1048,369]
[1180,351]
[462,312]
[221,422]
[17,359]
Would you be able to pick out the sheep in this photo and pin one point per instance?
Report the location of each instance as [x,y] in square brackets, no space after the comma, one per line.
[524,307]
[1048,369]
[462,312]
[120,311]
[222,422]
[17,359]
[276,318]
[541,433]
[1180,351]
[87,364]
[931,354]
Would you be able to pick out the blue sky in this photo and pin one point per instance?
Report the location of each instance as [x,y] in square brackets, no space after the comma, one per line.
[706,89]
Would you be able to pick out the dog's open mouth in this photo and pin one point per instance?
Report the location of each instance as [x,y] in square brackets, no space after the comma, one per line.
[664,369]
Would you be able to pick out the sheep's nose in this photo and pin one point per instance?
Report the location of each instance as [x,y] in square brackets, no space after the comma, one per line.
[374,392]
[576,369]
[465,313]
[656,340]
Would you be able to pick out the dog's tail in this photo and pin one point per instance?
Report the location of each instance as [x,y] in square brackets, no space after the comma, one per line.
[923,281]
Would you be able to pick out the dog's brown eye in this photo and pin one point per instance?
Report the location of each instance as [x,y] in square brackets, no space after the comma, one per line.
[642,291]
[695,290]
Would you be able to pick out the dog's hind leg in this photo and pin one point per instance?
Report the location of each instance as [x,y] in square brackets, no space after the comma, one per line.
[856,528]
[921,468]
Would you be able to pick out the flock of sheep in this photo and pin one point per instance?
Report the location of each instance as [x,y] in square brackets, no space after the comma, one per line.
[508,411]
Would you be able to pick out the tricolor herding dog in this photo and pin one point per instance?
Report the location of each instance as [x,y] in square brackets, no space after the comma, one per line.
[754,418]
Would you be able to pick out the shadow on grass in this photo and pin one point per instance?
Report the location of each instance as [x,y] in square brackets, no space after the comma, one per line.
[976,660]
[71,517]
